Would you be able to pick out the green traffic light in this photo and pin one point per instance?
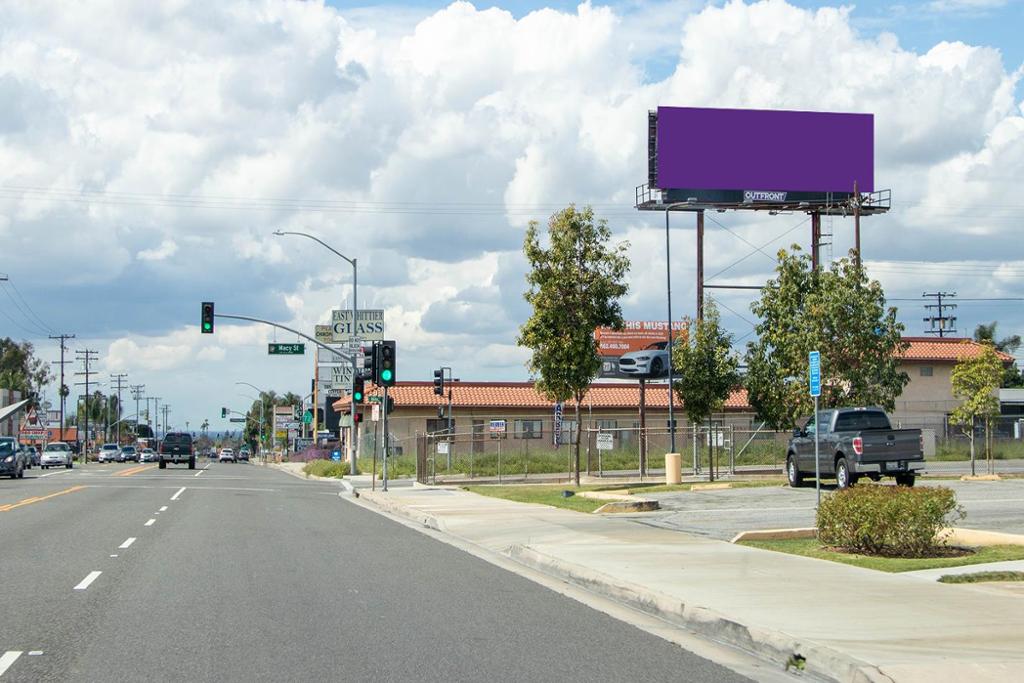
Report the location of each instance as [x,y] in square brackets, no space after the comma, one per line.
[358,396]
[206,326]
[386,375]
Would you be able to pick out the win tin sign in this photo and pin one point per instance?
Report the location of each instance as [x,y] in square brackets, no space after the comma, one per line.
[814,372]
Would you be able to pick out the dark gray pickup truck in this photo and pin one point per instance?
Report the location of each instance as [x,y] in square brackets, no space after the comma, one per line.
[854,443]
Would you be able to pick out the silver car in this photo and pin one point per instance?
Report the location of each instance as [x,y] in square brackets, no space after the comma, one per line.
[57,453]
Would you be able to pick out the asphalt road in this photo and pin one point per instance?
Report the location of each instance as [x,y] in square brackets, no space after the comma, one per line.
[240,573]
[990,505]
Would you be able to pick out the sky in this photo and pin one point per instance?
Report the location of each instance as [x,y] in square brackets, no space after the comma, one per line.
[149,150]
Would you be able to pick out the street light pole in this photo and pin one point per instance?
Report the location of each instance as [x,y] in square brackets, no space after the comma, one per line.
[355,333]
[262,416]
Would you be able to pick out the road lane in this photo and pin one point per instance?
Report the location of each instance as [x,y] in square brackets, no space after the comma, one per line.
[275,581]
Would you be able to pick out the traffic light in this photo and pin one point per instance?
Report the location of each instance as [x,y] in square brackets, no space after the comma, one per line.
[223,412]
[357,417]
[384,364]
[439,382]
[357,389]
[207,318]
[390,406]
[366,369]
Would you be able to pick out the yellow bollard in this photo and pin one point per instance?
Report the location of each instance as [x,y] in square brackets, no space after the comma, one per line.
[673,469]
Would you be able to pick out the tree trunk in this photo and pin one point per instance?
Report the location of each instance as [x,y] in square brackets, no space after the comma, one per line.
[972,447]
[579,431]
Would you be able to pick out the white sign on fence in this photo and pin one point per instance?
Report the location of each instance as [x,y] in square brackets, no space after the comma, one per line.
[442,448]
[371,325]
[604,441]
[498,426]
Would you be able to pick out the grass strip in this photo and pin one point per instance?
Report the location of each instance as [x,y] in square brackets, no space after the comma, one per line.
[810,547]
[982,577]
[542,495]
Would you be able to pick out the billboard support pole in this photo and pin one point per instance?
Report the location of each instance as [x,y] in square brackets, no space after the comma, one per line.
[700,269]
[815,240]
[856,222]
[668,278]
[643,428]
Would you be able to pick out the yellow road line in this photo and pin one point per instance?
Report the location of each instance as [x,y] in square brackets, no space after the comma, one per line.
[134,470]
[38,499]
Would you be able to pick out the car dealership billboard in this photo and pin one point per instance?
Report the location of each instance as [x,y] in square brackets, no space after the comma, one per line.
[763,151]
[639,350]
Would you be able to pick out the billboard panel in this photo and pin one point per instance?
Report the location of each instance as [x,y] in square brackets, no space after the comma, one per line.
[751,150]
[639,350]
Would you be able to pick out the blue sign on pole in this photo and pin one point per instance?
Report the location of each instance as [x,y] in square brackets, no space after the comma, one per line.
[814,369]
[336,456]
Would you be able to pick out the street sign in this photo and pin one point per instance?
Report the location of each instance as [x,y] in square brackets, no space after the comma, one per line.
[236,419]
[498,426]
[814,368]
[371,325]
[605,441]
[289,425]
[33,434]
[275,349]
[336,456]
[307,417]
[375,412]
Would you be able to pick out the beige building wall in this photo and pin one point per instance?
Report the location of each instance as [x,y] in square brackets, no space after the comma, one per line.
[928,397]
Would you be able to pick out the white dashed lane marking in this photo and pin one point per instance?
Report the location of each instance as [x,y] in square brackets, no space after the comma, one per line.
[127,543]
[87,581]
[163,508]
[8,658]
[180,491]
[149,523]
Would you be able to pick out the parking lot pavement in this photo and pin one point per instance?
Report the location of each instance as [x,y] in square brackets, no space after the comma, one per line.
[721,514]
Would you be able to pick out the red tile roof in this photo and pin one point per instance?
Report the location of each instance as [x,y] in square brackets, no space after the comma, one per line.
[523,395]
[948,349]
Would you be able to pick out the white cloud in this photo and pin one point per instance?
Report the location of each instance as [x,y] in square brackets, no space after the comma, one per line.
[166,250]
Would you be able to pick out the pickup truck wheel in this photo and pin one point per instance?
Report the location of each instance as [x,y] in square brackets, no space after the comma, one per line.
[844,479]
[905,479]
[792,473]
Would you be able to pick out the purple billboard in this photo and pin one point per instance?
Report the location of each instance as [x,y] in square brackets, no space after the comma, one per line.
[755,151]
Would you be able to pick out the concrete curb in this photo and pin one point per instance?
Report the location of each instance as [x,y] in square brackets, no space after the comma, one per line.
[774,646]
[973,538]
[621,506]
[381,500]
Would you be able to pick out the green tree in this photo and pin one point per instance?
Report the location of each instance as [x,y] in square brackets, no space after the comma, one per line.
[976,383]
[841,314]
[21,371]
[987,333]
[708,368]
[575,284]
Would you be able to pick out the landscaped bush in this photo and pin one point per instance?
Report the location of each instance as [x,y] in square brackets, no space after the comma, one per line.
[326,468]
[895,521]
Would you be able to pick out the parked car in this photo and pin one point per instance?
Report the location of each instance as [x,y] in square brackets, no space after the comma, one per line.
[109,452]
[226,455]
[147,455]
[12,458]
[57,453]
[651,361]
[854,443]
[177,448]
[129,454]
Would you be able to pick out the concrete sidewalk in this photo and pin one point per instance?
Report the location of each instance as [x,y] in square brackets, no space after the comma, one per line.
[849,624]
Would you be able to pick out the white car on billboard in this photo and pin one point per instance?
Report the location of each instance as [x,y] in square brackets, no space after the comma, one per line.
[650,361]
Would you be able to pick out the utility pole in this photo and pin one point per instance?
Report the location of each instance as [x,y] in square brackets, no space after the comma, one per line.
[137,390]
[63,391]
[167,409]
[938,317]
[154,420]
[86,356]
[119,377]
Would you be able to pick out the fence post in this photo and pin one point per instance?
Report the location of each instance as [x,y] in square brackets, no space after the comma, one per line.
[732,449]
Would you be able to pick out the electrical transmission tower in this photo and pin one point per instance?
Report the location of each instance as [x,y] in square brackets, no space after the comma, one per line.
[940,323]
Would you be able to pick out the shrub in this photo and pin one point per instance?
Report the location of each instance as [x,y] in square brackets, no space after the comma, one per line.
[326,468]
[887,520]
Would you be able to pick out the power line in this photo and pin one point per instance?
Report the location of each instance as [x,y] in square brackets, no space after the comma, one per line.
[27,306]
[939,318]
[40,330]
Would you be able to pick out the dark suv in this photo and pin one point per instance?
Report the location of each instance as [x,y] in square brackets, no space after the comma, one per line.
[177,447]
